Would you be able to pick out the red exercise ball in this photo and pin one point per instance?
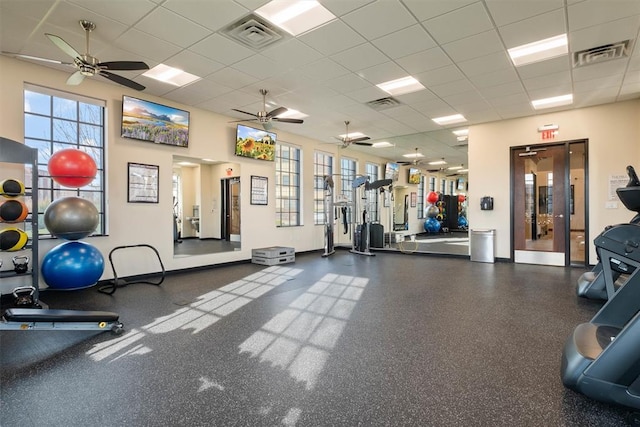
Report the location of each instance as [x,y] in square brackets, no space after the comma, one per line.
[461,198]
[72,168]
[432,197]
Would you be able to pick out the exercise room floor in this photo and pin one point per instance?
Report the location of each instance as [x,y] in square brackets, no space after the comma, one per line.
[394,340]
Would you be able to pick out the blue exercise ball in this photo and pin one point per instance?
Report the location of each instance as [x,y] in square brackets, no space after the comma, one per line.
[431,225]
[462,222]
[72,265]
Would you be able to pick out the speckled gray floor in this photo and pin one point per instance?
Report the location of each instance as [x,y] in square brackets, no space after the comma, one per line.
[393,340]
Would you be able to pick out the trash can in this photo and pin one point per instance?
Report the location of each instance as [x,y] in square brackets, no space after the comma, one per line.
[482,245]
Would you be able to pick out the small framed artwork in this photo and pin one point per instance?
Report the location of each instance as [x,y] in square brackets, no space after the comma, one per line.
[259,190]
[142,183]
[414,199]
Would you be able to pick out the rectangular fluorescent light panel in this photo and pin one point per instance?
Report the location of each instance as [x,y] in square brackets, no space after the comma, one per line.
[167,74]
[352,135]
[438,162]
[539,51]
[555,101]
[454,168]
[449,120]
[381,144]
[413,155]
[401,86]
[296,17]
[292,114]
[461,132]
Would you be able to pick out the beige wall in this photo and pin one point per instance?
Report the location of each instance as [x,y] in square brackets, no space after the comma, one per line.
[613,132]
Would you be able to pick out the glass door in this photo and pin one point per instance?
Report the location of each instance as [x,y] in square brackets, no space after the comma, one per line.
[540,204]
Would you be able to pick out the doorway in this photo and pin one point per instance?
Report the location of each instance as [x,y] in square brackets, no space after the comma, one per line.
[549,204]
[230,214]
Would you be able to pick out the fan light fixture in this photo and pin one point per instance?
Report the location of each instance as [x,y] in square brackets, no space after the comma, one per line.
[295,17]
[540,50]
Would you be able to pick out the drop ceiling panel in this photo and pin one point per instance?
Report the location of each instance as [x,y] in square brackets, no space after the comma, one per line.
[485,64]
[169,26]
[221,49]
[548,80]
[423,61]
[424,10]
[232,78]
[323,69]
[440,76]
[259,66]
[383,73]
[125,11]
[611,32]
[460,23]
[475,46]
[452,88]
[556,65]
[360,57]
[590,13]
[380,18]
[332,38]
[603,69]
[507,12]
[193,63]
[494,78]
[500,91]
[210,14]
[146,45]
[405,42]
[533,29]
[341,7]
[291,53]
[347,83]
[66,16]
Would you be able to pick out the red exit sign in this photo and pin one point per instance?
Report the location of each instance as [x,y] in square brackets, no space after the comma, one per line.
[548,134]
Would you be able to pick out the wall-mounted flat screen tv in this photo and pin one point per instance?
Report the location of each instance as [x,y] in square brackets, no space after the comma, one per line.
[148,121]
[392,171]
[414,176]
[255,143]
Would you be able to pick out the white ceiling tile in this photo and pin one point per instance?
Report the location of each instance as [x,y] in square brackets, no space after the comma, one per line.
[331,38]
[424,10]
[452,88]
[511,99]
[146,45]
[494,78]
[513,111]
[416,97]
[458,24]
[341,7]
[424,61]
[221,49]
[169,26]
[323,69]
[611,82]
[508,11]
[232,78]
[434,108]
[125,11]
[440,76]
[631,90]
[467,98]
[556,65]
[367,94]
[360,57]
[548,80]
[485,64]
[603,69]
[533,29]
[193,63]
[383,73]
[405,42]
[291,53]
[380,18]
[210,14]
[611,32]
[37,9]
[474,46]
[551,91]
[259,66]
[589,13]
[347,83]
[502,90]
[197,92]
[67,17]
[12,28]
[466,108]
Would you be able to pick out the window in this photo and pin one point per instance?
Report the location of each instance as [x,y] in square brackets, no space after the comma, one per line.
[288,186]
[443,186]
[432,183]
[322,165]
[421,197]
[452,187]
[347,175]
[55,121]
[373,172]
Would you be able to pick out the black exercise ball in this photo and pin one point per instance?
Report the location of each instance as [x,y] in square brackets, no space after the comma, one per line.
[13,211]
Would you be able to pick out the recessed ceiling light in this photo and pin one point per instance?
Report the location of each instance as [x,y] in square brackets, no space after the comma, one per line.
[554,101]
[401,86]
[437,162]
[174,76]
[352,135]
[381,144]
[463,170]
[462,138]
[449,120]
[296,17]
[454,168]
[413,155]
[293,114]
[539,51]
[461,132]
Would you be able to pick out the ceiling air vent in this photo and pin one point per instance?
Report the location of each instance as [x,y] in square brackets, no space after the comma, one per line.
[253,32]
[383,103]
[603,53]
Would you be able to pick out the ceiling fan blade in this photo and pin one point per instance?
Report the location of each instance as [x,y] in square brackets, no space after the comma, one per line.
[243,120]
[283,120]
[63,45]
[36,58]
[366,144]
[355,140]
[244,112]
[277,112]
[121,80]
[75,78]
[123,65]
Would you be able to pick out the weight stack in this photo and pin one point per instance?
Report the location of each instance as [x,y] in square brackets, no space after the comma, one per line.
[274,255]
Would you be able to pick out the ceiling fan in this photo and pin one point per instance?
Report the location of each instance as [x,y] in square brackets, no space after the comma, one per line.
[88,65]
[346,140]
[416,159]
[265,117]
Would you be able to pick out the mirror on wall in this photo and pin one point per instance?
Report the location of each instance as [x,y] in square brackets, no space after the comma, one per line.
[206,209]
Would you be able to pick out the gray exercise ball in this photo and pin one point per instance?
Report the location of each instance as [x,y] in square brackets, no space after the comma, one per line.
[432,211]
[71,218]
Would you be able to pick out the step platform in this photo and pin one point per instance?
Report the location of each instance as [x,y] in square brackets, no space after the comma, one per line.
[273,255]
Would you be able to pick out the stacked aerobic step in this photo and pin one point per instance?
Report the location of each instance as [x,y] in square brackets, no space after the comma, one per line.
[273,256]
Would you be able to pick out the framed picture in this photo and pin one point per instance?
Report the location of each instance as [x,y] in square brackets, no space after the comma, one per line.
[259,190]
[142,183]
[414,199]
